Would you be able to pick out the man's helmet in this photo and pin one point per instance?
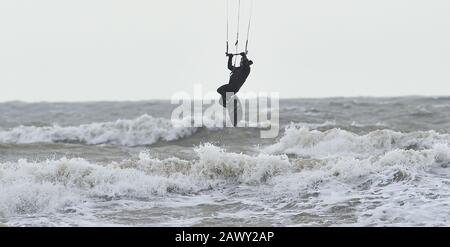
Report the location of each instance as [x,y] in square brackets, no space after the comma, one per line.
[245,61]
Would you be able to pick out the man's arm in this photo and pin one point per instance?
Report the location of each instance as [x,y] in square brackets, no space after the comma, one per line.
[230,62]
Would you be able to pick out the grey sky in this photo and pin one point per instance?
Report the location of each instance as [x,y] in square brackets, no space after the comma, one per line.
[67,50]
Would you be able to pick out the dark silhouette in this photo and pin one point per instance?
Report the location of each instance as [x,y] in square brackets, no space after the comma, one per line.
[237,78]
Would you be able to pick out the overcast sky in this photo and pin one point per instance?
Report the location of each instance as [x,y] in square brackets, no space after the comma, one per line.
[76,50]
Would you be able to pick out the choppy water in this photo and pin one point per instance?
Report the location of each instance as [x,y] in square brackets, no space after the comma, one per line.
[351,162]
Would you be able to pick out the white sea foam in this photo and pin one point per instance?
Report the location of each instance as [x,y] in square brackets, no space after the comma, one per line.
[400,187]
[302,141]
[37,187]
[396,187]
[215,163]
[140,131]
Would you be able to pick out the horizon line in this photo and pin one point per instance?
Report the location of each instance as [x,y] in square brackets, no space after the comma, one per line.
[169,99]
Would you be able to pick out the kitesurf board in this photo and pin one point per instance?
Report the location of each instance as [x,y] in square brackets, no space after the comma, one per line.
[234,108]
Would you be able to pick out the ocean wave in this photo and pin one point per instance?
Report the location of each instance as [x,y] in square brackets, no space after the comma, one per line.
[314,125]
[303,141]
[397,188]
[362,187]
[334,124]
[376,125]
[394,166]
[28,187]
[143,130]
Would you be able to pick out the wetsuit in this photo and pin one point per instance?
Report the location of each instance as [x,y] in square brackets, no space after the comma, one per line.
[237,78]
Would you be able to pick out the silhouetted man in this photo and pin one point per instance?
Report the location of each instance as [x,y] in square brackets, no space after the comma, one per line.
[237,78]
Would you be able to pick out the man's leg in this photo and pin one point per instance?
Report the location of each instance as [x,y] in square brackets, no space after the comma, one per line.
[223,91]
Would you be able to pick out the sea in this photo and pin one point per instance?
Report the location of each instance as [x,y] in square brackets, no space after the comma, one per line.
[335,162]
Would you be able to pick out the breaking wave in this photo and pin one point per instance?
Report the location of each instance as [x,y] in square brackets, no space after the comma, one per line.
[143,130]
[362,187]
[37,187]
[302,141]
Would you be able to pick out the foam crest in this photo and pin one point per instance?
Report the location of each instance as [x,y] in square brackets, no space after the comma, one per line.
[30,187]
[373,190]
[302,141]
[143,130]
[323,185]
[38,187]
[215,163]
